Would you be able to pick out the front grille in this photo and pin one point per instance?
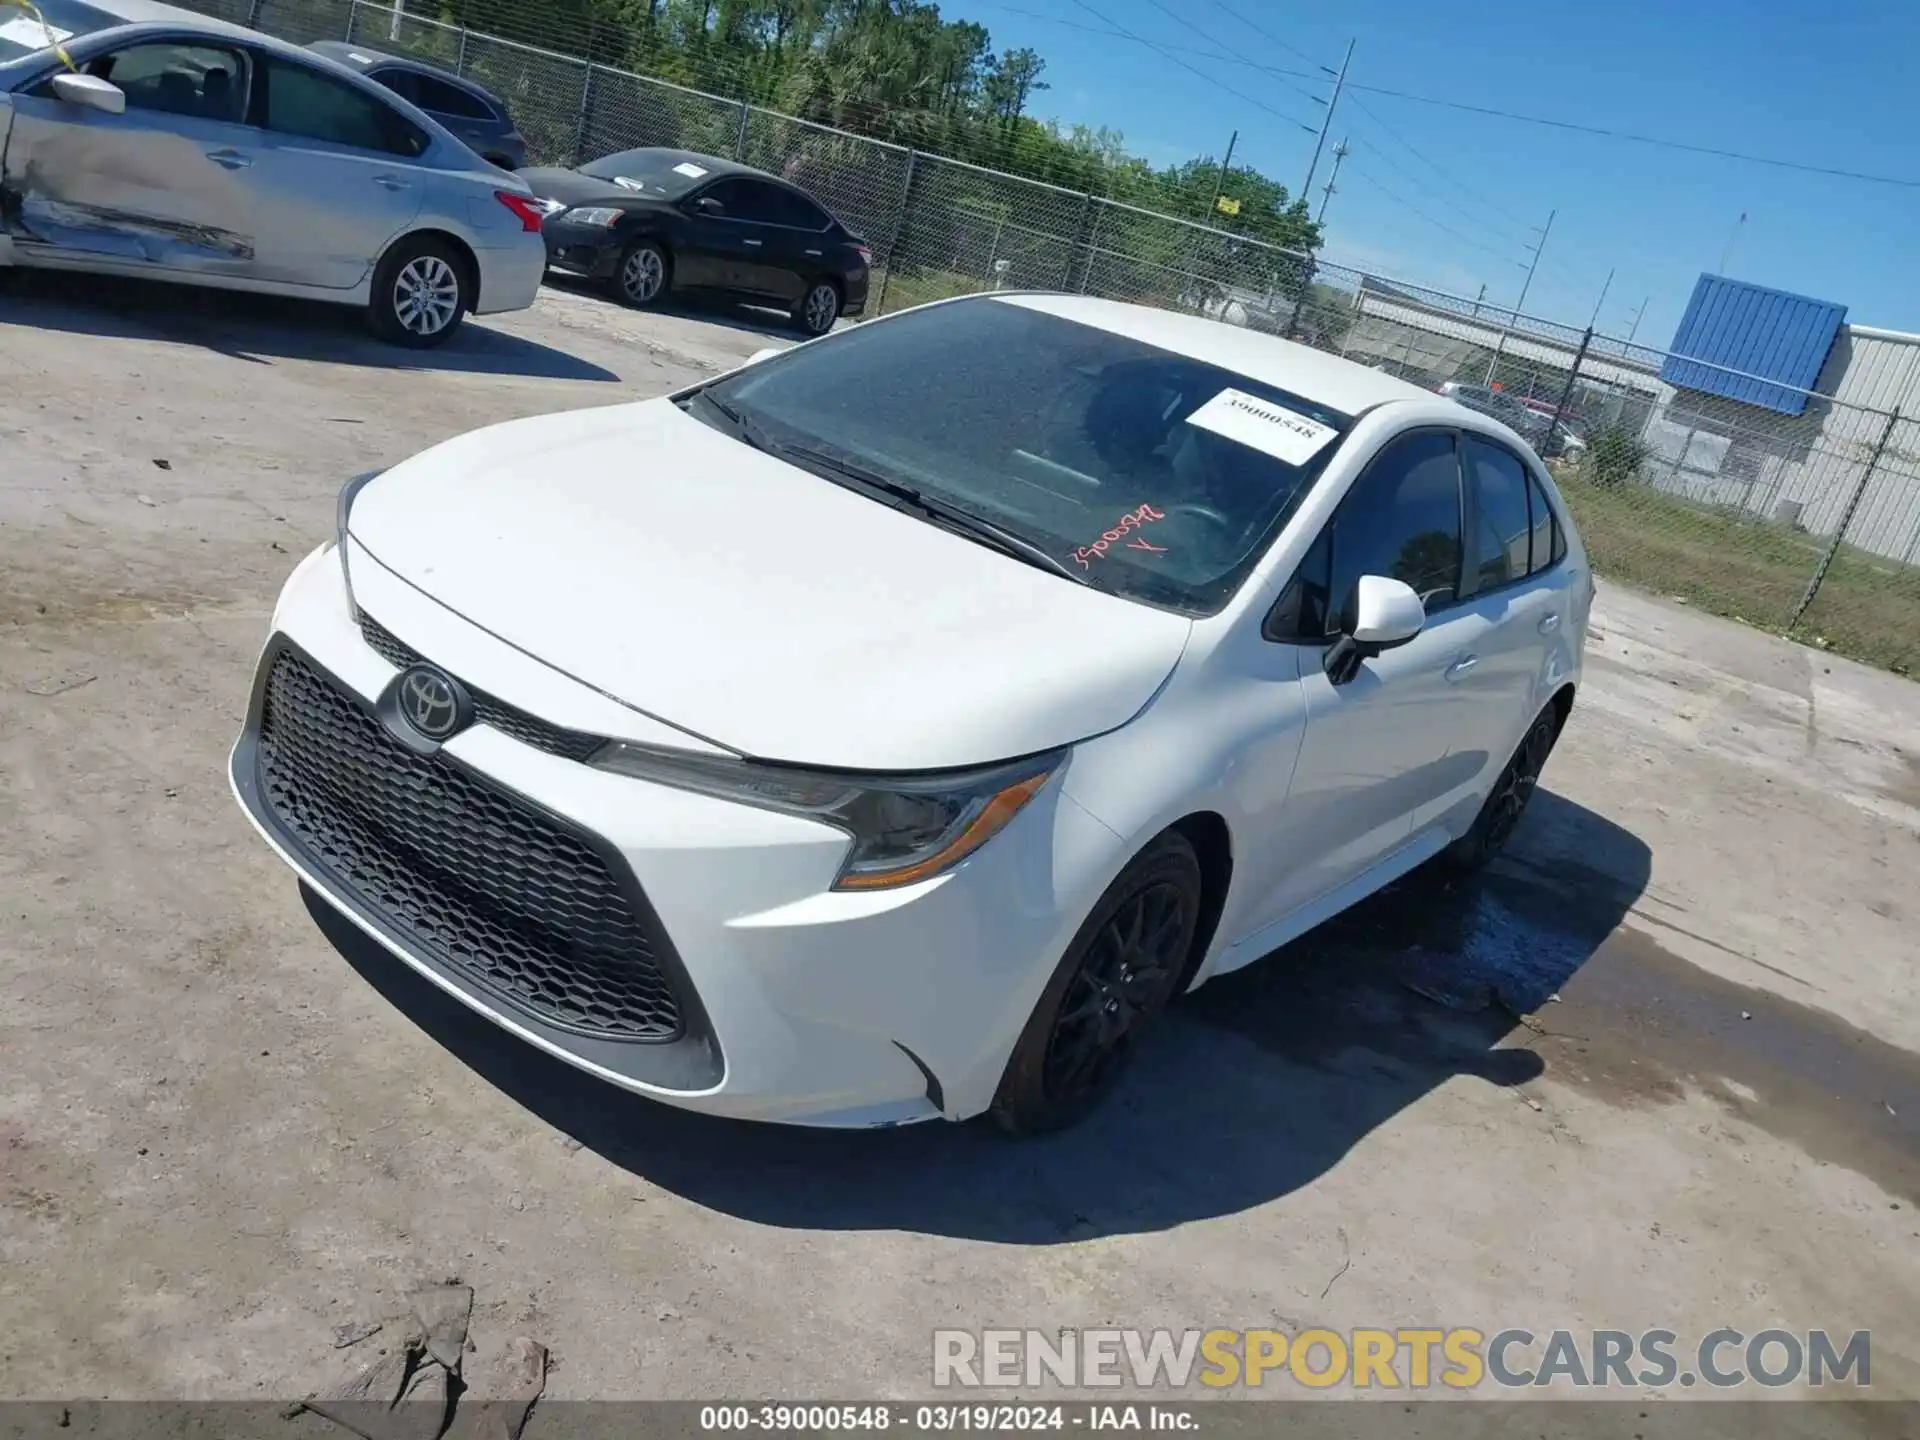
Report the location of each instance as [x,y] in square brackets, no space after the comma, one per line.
[527,729]
[465,871]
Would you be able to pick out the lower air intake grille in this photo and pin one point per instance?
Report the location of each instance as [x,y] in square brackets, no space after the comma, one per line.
[467,872]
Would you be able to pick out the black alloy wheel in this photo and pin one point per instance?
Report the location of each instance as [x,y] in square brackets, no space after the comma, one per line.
[1507,802]
[1117,976]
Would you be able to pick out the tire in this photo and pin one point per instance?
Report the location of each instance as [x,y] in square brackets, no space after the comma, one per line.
[1507,802]
[422,290]
[818,308]
[1083,1031]
[642,277]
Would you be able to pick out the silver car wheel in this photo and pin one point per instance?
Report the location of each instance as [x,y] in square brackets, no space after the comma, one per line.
[643,275]
[823,307]
[426,295]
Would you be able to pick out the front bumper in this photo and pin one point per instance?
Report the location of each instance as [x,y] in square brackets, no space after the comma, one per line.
[800,1003]
[585,250]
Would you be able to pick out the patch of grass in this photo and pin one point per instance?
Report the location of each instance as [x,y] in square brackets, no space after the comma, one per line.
[909,287]
[1748,569]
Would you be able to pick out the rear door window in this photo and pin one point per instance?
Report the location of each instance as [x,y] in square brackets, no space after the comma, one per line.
[400,82]
[790,208]
[1502,527]
[1548,545]
[313,106]
[440,98]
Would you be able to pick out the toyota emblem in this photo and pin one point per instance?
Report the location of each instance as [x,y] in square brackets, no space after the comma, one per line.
[430,701]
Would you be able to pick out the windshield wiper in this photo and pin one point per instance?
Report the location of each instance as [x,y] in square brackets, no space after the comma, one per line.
[996,537]
[743,429]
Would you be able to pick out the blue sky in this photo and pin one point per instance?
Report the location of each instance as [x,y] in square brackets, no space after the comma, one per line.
[1825,84]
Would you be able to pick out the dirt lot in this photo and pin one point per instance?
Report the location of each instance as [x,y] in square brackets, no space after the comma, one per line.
[222,1133]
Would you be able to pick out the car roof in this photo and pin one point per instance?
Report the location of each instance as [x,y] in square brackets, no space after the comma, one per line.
[1285,364]
[716,166]
[151,12]
[129,13]
[361,58]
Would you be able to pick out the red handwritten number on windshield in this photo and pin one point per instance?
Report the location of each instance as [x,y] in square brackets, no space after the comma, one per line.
[1123,527]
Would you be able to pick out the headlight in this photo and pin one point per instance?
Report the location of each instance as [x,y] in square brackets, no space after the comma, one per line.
[593,215]
[341,511]
[903,829]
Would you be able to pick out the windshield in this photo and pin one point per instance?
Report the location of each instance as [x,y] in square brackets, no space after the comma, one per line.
[21,34]
[1139,471]
[668,174]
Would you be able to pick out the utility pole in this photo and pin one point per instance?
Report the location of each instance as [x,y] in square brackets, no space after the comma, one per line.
[1478,298]
[1519,304]
[399,9]
[1636,318]
[1221,184]
[1601,301]
[1326,190]
[1326,123]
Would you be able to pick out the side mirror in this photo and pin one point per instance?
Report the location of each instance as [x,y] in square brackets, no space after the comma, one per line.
[1386,613]
[92,92]
[757,356]
[1381,614]
[707,205]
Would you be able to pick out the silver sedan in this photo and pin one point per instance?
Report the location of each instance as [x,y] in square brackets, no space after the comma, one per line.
[137,139]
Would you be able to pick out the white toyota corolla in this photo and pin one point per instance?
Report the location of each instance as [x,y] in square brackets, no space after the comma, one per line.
[888,729]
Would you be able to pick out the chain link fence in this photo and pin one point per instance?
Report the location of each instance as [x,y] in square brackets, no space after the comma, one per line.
[1790,510]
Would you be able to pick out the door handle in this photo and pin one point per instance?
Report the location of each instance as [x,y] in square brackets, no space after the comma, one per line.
[389,182]
[752,242]
[814,253]
[230,159]
[1550,624]
[1462,667]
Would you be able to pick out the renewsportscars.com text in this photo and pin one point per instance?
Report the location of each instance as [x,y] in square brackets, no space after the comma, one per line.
[1401,1358]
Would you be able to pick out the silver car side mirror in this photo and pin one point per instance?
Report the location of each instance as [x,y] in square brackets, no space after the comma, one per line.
[92,92]
[1381,614]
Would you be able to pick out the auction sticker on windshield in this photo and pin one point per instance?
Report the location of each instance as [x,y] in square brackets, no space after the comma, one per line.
[692,172]
[1282,433]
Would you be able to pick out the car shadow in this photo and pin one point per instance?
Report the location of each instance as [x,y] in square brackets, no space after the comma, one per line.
[265,328]
[710,309]
[1255,1085]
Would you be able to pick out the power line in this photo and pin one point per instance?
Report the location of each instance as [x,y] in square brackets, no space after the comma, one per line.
[1087,29]
[1439,225]
[1262,30]
[1603,132]
[1125,33]
[1434,165]
[1380,154]
[1610,134]
[1180,19]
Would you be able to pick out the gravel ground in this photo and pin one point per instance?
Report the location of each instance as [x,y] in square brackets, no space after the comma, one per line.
[226,1128]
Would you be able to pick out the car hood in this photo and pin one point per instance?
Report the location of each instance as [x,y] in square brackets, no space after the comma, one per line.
[753,604]
[571,188]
